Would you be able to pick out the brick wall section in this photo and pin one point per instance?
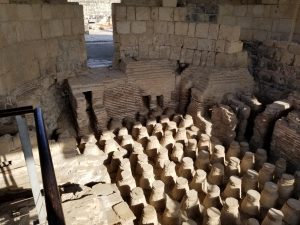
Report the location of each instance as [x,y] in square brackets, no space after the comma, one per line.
[262,22]
[164,33]
[39,40]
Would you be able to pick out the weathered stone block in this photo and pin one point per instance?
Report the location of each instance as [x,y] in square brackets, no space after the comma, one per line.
[190,43]
[143,51]
[154,13]
[245,22]
[169,3]
[161,27]
[77,26]
[206,45]
[128,40]
[166,14]
[233,47]
[175,53]
[180,14]
[67,27]
[130,13]
[154,52]
[142,13]
[202,30]
[192,29]
[46,12]
[164,52]
[229,33]
[138,27]
[31,30]
[213,31]
[186,55]
[121,12]
[124,212]
[25,12]
[171,27]
[4,1]
[210,61]
[240,10]
[176,41]
[220,46]
[123,27]
[197,58]
[181,28]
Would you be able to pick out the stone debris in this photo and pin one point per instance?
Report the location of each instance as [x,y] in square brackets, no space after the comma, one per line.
[224,123]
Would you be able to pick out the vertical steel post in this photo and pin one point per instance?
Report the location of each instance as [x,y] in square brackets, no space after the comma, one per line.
[52,197]
[32,173]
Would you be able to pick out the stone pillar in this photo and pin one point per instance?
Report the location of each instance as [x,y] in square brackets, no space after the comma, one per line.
[192,149]
[186,168]
[149,216]
[172,126]
[143,137]
[233,167]
[233,188]
[260,158]
[212,216]
[147,177]
[250,205]
[285,187]
[181,136]
[291,212]
[202,161]
[152,147]
[230,212]
[268,197]
[265,174]
[177,153]
[137,201]
[171,213]
[126,183]
[141,159]
[216,175]
[158,197]
[162,158]
[199,183]
[180,188]
[168,175]
[247,162]
[218,155]
[249,181]
[136,130]
[274,217]
[158,131]
[167,140]
[204,143]
[150,125]
[190,205]
[212,198]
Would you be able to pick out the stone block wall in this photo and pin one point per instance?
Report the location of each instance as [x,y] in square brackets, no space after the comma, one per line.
[164,33]
[40,45]
[264,21]
[39,40]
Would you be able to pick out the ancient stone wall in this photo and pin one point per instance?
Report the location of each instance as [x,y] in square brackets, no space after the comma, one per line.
[165,33]
[268,21]
[40,45]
